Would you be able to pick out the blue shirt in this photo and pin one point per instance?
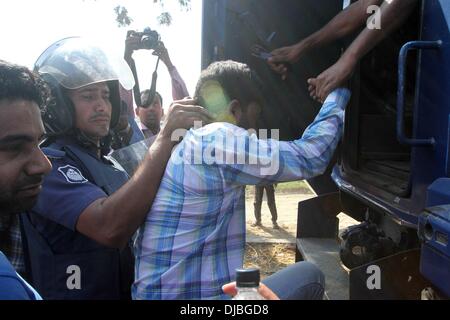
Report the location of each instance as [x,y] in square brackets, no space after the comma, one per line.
[12,286]
[193,239]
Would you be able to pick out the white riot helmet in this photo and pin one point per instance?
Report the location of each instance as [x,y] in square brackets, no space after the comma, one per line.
[74,63]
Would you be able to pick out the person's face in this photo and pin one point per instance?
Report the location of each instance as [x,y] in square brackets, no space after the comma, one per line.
[151,116]
[22,163]
[92,109]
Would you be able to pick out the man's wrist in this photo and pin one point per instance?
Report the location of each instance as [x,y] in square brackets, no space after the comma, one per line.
[164,142]
[304,45]
[169,66]
[128,56]
[165,137]
[349,58]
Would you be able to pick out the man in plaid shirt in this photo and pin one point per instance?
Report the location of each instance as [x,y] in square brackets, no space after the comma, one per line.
[193,239]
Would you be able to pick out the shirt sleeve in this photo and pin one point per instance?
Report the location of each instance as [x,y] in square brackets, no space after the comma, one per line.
[179,89]
[12,286]
[259,161]
[63,200]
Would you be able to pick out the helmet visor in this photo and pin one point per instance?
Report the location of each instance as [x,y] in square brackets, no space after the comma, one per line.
[78,62]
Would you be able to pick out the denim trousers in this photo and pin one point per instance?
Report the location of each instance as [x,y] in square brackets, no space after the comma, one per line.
[300,281]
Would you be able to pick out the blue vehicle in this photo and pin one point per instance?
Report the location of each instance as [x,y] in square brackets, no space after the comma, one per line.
[392,170]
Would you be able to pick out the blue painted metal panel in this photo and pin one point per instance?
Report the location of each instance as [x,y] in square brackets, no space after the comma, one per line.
[431,165]
[434,231]
[433,107]
[431,266]
[439,193]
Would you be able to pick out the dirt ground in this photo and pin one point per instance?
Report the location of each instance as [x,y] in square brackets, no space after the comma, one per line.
[271,250]
[269,257]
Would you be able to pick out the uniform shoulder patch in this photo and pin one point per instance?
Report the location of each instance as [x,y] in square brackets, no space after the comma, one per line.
[72,174]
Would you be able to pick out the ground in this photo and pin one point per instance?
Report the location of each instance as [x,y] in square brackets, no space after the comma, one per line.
[271,250]
[269,257]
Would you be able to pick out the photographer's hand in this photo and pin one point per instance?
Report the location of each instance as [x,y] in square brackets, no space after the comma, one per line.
[163,54]
[131,44]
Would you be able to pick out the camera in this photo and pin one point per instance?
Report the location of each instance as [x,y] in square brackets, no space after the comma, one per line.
[149,39]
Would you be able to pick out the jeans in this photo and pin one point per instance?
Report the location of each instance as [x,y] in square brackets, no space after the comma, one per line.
[300,281]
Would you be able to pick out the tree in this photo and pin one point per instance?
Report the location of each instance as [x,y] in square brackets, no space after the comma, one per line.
[165,18]
[122,17]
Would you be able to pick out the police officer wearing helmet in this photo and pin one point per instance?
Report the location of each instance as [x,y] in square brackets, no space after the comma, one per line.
[79,232]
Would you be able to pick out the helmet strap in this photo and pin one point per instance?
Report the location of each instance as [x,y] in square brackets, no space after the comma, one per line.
[88,143]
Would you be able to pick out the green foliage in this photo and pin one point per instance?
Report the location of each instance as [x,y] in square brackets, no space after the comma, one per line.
[165,18]
[122,17]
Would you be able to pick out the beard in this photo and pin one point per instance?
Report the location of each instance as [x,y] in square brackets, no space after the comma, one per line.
[10,203]
[17,200]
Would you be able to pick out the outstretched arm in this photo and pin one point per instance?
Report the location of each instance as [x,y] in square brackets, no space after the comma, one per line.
[179,89]
[259,161]
[346,22]
[393,16]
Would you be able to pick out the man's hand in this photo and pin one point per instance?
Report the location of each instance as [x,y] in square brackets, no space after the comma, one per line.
[131,44]
[283,56]
[230,289]
[163,54]
[332,78]
[182,115]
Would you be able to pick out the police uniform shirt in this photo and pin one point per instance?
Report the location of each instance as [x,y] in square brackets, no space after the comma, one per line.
[55,246]
[66,193]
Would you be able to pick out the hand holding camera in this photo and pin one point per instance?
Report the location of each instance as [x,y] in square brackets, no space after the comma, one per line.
[163,54]
[148,40]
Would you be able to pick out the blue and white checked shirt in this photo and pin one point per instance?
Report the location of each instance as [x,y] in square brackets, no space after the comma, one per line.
[193,239]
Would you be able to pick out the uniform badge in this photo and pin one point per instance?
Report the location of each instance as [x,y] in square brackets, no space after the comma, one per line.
[72,174]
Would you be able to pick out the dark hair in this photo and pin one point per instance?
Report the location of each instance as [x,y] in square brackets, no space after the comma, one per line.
[17,82]
[236,79]
[145,94]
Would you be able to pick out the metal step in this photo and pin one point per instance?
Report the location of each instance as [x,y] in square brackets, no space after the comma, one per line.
[324,253]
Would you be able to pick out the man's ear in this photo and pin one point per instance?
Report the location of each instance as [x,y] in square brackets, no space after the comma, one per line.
[235,110]
[137,111]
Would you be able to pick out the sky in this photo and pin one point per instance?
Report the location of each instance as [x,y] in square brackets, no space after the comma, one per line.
[28,27]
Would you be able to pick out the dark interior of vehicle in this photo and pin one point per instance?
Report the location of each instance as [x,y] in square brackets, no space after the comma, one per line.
[273,24]
[370,149]
[370,144]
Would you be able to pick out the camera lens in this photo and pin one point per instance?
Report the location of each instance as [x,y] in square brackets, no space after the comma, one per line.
[150,40]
